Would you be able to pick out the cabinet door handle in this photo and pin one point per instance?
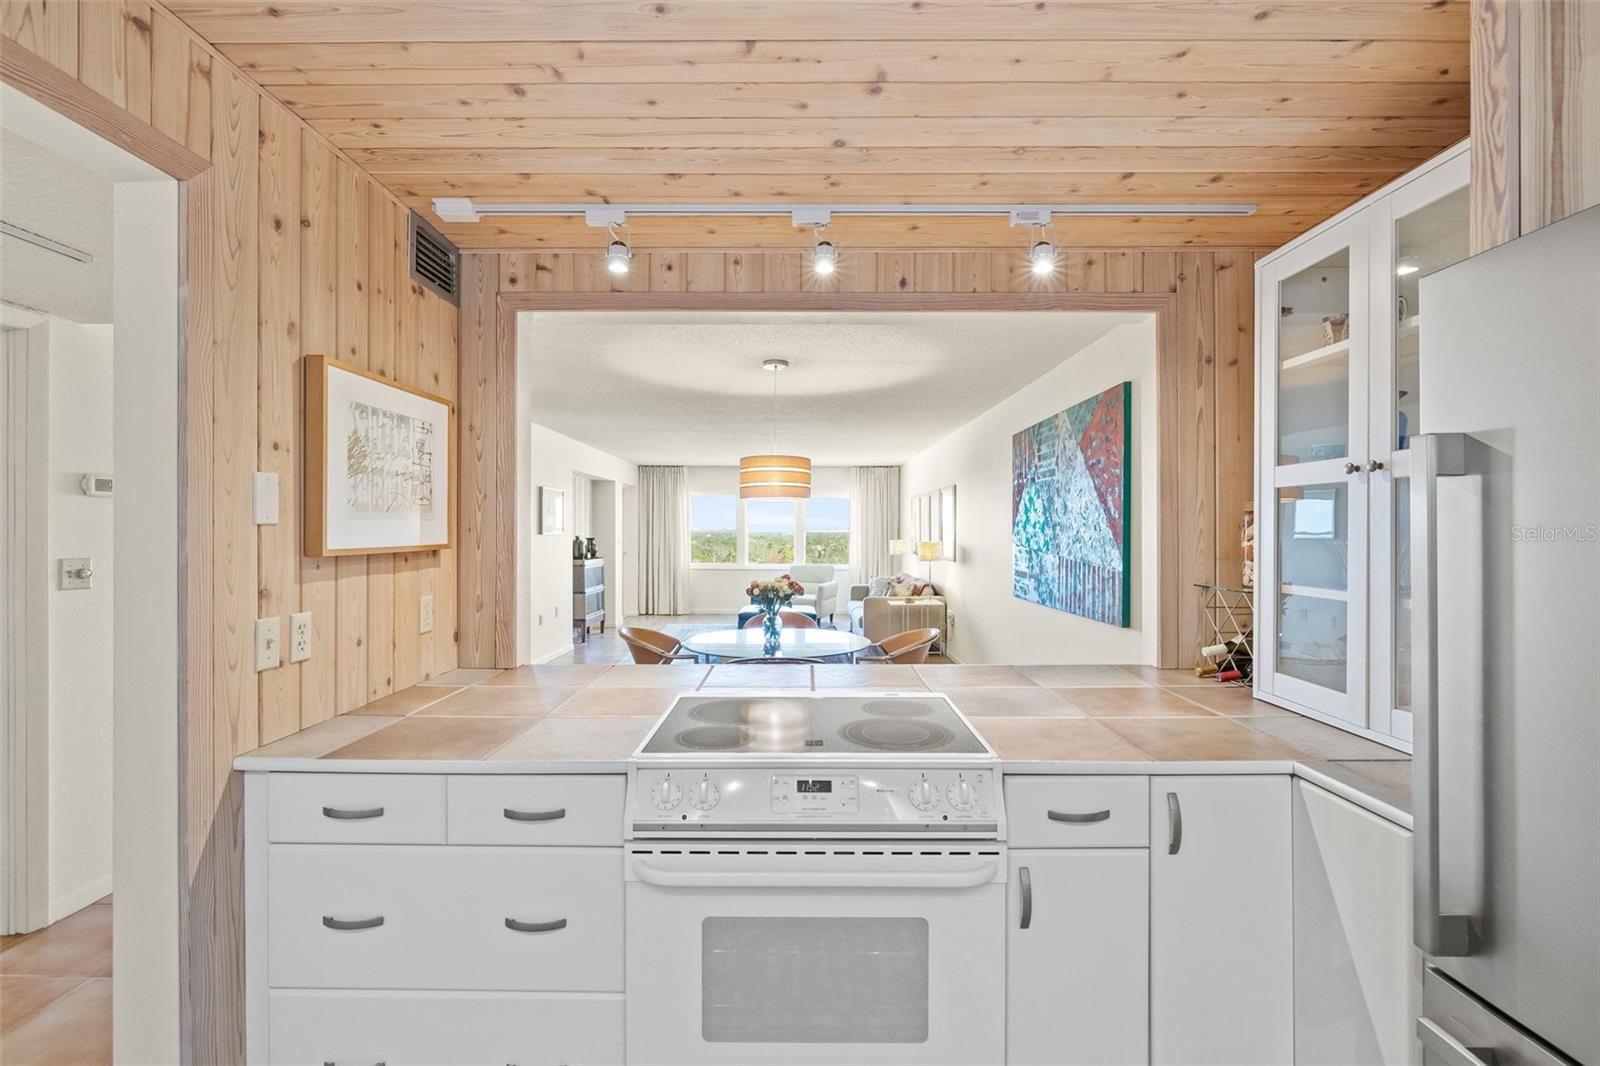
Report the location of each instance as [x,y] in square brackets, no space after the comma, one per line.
[1025,879]
[352,923]
[346,814]
[1078,819]
[536,927]
[1174,824]
[535,816]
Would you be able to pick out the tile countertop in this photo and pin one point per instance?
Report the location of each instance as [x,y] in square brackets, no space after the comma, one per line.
[1039,719]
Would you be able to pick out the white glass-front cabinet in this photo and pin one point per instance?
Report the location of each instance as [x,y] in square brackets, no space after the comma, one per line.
[1337,392]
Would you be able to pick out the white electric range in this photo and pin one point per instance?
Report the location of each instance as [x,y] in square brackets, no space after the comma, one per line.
[815,878]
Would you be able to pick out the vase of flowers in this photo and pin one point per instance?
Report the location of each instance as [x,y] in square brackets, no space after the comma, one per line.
[772,596]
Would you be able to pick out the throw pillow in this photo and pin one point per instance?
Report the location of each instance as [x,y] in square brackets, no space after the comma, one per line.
[902,588]
[878,586]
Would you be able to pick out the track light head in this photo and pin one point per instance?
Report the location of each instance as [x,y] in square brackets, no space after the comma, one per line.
[617,256]
[824,258]
[1042,258]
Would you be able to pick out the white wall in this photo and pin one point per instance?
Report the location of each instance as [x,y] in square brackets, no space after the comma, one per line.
[80,619]
[720,589]
[989,624]
[544,562]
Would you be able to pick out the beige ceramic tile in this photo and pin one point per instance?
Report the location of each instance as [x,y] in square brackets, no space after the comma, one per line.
[1056,740]
[625,701]
[1323,741]
[1166,677]
[1136,701]
[420,737]
[78,945]
[577,739]
[1231,700]
[488,701]
[562,675]
[1077,676]
[759,675]
[399,704]
[1386,780]
[867,675]
[317,740]
[73,1030]
[1014,702]
[463,676]
[1197,739]
[682,676]
[940,676]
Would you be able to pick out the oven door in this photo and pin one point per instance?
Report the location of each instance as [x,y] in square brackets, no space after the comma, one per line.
[806,953]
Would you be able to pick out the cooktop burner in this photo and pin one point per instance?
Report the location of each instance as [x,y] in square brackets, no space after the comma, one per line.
[755,724]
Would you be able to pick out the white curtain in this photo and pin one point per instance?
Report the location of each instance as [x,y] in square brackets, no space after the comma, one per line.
[874,520]
[663,540]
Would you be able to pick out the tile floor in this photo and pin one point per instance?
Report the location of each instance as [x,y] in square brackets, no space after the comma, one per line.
[55,991]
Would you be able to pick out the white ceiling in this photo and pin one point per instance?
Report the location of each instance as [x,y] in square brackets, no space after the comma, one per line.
[687,387]
[44,193]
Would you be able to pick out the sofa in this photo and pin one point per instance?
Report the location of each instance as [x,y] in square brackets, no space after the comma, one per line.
[822,589]
[893,605]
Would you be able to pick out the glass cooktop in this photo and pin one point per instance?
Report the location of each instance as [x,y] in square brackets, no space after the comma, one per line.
[873,724]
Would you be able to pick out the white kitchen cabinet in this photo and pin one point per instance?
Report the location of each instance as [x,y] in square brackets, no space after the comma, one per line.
[1337,390]
[1077,956]
[1221,921]
[1357,979]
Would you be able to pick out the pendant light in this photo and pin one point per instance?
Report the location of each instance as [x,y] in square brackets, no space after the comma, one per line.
[773,476]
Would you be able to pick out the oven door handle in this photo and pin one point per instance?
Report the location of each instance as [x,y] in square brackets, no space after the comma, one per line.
[962,877]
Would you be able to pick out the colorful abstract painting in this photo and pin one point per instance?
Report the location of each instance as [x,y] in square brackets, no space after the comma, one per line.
[1069,508]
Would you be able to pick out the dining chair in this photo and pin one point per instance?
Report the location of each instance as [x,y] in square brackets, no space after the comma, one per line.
[791,619]
[908,647]
[651,647]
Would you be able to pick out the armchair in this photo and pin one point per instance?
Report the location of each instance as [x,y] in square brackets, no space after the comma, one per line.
[822,588]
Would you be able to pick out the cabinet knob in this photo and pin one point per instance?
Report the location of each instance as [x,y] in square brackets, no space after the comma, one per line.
[1352,468]
[1374,465]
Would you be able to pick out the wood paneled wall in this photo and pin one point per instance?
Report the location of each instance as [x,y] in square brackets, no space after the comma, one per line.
[1535,114]
[290,249]
[1204,299]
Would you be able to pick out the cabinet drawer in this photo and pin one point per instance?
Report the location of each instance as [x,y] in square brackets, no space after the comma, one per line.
[1077,812]
[396,917]
[355,808]
[402,1028]
[526,809]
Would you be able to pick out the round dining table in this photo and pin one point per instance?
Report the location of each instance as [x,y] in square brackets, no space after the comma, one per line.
[794,642]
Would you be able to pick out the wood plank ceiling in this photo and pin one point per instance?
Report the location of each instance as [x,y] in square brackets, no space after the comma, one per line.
[1300,106]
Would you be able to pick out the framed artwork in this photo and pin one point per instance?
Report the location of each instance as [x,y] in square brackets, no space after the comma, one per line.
[377,463]
[552,510]
[947,523]
[1069,508]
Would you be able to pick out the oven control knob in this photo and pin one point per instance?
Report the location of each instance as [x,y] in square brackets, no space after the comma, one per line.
[924,797]
[706,794]
[961,795]
[667,795]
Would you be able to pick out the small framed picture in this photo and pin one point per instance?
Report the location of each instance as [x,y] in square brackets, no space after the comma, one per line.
[552,510]
[378,459]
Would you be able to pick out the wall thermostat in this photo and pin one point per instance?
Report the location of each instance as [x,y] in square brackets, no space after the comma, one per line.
[96,484]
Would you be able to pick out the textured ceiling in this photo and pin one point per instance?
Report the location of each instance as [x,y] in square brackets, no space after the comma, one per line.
[687,387]
[44,193]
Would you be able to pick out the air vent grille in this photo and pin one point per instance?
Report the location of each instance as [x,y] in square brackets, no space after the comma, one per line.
[435,262]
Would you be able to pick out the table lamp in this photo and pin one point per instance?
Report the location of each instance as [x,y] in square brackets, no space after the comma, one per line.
[899,549]
[928,551]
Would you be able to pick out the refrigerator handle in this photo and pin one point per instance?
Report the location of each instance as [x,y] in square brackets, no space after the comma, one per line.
[1433,455]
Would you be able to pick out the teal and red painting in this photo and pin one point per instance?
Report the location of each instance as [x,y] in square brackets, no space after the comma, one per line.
[1069,508]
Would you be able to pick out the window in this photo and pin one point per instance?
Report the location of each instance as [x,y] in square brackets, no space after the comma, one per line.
[769,532]
[713,535]
[828,530]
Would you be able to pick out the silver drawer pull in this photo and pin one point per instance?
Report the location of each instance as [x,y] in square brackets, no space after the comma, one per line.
[1079,819]
[1174,824]
[535,816]
[536,927]
[346,815]
[1025,879]
[352,923]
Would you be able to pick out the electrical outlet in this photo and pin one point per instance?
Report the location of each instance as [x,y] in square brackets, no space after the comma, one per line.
[269,646]
[300,637]
[425,621]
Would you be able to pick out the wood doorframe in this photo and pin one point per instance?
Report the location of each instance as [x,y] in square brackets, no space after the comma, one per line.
[499,390]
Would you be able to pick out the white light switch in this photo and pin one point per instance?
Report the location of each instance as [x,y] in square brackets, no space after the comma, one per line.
[264,498]
[425,621]
[300,637]
[269,645]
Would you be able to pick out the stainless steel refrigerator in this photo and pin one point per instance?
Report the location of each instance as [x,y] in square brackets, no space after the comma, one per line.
[1505,563]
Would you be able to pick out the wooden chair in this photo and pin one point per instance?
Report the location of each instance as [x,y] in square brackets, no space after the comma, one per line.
[908,647]
[651,647]
[791,619]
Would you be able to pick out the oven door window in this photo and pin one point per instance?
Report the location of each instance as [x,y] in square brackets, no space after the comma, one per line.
[777,980]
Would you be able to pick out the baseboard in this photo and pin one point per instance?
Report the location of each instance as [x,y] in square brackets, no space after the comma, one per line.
[79,898]
[552,656]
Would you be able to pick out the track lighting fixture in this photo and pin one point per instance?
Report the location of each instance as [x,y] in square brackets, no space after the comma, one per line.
[1042,258]
[824,257]
[617,254]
